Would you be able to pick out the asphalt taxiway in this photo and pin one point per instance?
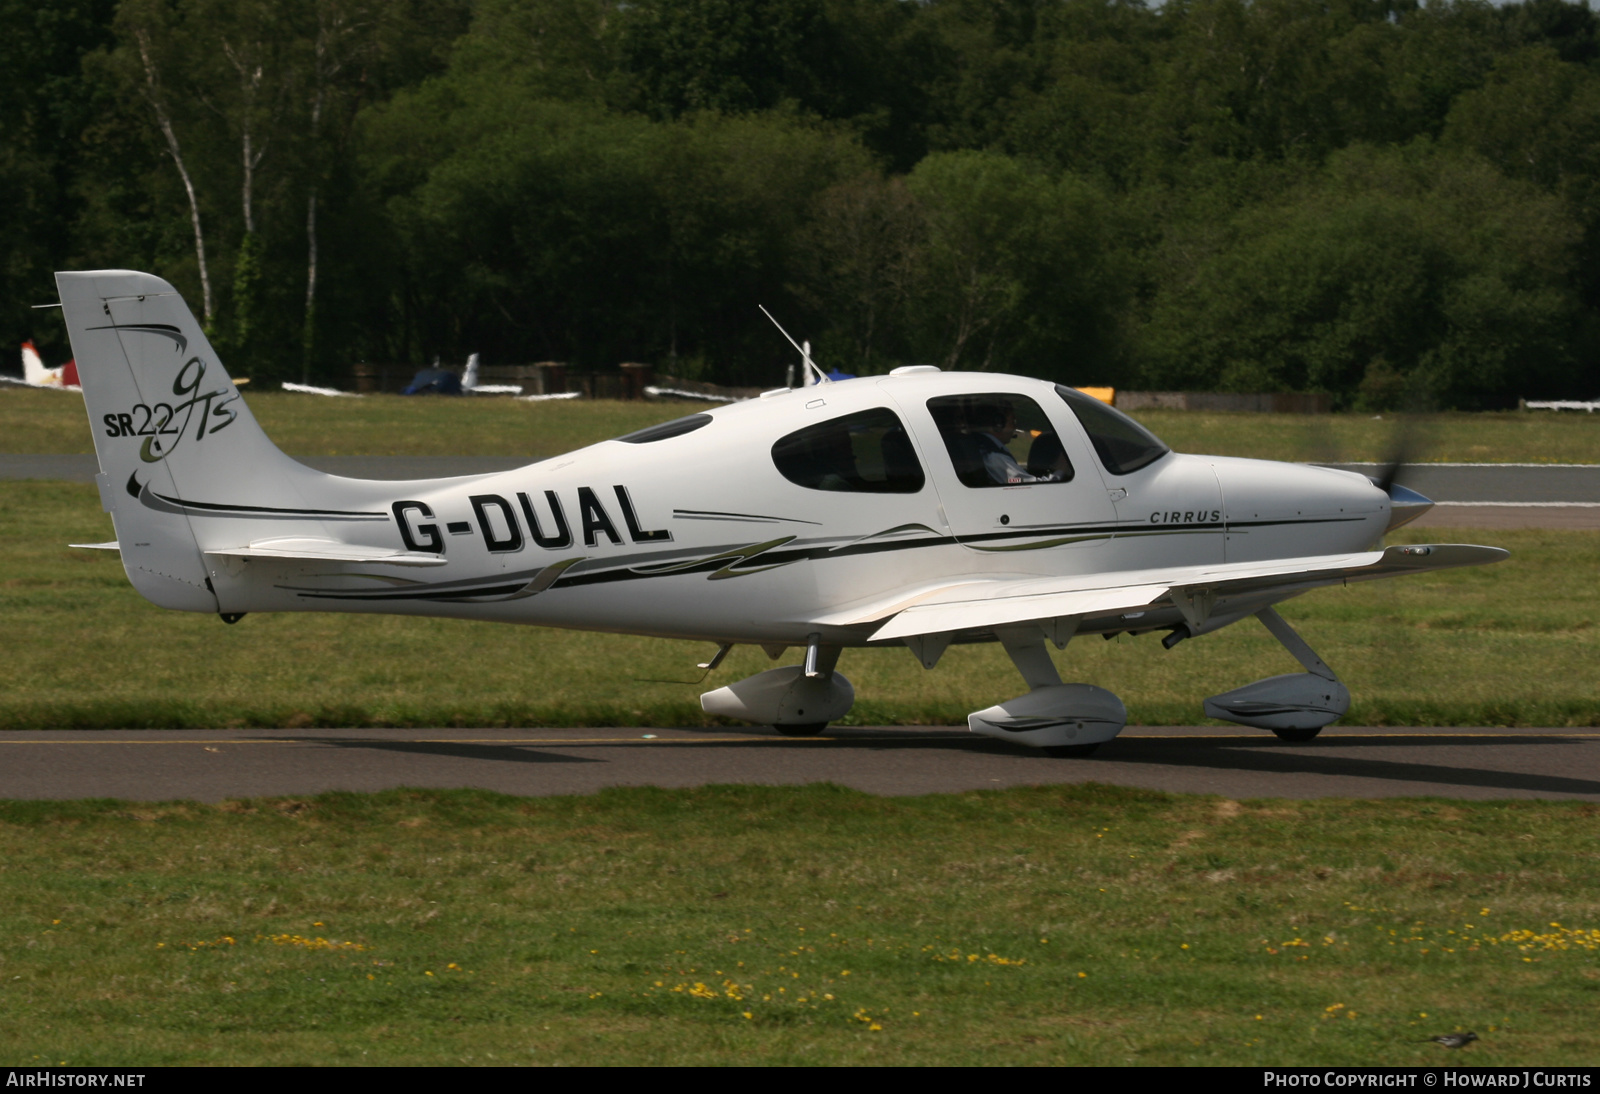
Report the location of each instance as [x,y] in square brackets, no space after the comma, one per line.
[1345,762]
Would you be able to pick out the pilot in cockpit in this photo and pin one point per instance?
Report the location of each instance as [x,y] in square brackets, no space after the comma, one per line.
[994,425]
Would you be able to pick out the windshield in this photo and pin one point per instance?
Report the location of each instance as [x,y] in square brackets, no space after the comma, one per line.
[1122,444]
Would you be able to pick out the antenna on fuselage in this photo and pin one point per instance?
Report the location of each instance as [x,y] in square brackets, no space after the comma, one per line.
[804,351]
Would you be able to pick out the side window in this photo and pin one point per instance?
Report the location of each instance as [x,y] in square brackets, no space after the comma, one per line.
[866,452]
[1122,444]
[1000,440]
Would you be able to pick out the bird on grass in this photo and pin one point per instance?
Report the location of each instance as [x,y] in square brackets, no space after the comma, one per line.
[1455,1040]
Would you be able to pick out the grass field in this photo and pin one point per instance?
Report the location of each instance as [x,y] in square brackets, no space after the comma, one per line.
[49,422]
[815,925]
[1509,644]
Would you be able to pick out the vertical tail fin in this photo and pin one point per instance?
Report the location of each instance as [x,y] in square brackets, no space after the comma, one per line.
[169,428]
[33,370]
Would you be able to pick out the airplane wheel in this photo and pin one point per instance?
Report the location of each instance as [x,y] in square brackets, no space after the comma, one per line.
[809,729]
[1297,734]
[1068,752]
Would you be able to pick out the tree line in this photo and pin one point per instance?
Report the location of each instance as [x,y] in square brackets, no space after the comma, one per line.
[1392,202]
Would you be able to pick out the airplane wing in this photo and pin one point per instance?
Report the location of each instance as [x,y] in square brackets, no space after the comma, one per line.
[1193,590]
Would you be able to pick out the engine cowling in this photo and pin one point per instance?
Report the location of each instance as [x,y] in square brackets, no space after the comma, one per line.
[1054,716]
[1296,700]
[783,697]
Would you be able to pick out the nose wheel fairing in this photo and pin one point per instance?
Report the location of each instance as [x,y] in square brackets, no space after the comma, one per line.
[1289,704]
[1296,700]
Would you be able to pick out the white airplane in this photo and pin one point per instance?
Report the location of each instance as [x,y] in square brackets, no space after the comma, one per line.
[34,373]
[469,381]
[916,509]
[469,384]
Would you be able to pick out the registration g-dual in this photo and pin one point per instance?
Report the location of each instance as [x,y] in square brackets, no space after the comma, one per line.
[915,510]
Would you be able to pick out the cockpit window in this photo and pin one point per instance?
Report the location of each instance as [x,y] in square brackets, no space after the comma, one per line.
[866,452]
[675,428]
[1000,440]
[1122,444]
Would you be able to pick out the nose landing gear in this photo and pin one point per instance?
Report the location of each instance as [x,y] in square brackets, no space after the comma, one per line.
[1294,706]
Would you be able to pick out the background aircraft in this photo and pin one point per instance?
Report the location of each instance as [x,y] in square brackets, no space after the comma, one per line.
[429,381]
[918,509]
[34,373]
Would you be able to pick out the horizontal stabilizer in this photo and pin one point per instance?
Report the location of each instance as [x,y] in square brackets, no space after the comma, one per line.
[328,550]
[111,546]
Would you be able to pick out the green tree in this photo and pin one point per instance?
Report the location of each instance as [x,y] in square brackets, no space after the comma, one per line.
[540,229]
[1412,263]
[729,56]
[1019,269]
[858,265]
[44,106]
[1536,118]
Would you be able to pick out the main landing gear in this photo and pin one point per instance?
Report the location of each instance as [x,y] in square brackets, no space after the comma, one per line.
[796,700]
[1064,720]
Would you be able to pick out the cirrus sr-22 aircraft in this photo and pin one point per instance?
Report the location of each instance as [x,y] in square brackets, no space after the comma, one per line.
[915,509]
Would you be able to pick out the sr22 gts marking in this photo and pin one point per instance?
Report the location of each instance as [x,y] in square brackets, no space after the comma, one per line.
[157,420]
